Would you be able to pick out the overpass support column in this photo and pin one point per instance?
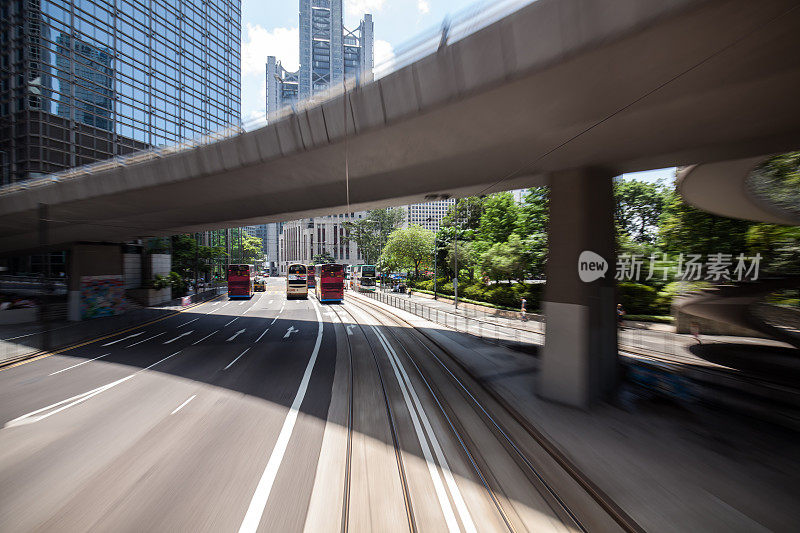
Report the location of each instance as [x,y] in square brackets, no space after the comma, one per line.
[95,286]
[579,362]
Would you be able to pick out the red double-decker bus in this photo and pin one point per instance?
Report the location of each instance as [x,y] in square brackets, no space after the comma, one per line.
[330,282]
[311,276]
[240,281]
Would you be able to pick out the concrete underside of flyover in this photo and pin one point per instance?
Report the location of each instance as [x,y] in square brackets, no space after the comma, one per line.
[562,85]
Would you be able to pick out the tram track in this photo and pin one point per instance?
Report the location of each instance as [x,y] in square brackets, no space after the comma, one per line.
[412,526]
[622,519]
[458,431]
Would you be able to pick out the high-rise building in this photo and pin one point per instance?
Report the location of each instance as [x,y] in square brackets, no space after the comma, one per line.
[269,235]
[329,52]
[428,215]
[302,240]
[86,80]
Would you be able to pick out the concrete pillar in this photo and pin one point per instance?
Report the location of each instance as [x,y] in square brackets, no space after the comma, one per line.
[95,287]
[579,360]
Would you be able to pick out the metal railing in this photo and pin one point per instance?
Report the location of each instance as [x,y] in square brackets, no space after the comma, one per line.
[488,327]
[490,331]
[452,29]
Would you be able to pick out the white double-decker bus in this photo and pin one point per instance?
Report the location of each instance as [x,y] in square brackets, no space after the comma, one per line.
[296,281]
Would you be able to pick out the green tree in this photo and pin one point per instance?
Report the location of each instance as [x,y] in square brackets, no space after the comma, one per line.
[687,230]
[323,258]
[189,259]
[499,218]
[506,260]
[410,248]
[370,234]
[638,206]
[469,257]
[465,213]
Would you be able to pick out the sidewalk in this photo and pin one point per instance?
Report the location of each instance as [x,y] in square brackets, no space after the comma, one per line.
[525,335]
[19,340]
[672,468]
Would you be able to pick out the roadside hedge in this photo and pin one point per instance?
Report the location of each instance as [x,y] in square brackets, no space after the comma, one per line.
[499,294]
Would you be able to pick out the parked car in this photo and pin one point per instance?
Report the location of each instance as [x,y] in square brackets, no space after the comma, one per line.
[259,285]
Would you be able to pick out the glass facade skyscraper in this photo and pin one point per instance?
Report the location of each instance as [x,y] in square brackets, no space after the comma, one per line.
[328,51]
[85,80]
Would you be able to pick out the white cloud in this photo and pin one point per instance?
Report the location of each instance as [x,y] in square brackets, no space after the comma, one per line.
[283,43]
[355,9]
[257,44]
[423,6]
[384,58]
[359,7]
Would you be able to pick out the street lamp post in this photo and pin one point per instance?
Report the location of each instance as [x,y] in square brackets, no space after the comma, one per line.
[435,259]
[455,263]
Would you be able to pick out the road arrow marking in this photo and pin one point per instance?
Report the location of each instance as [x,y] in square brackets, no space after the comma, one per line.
[179,336]
[350,329]
[123,338]
[236,334]
[290,331]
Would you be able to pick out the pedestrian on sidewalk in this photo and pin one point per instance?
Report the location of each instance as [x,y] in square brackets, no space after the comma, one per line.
[620,315]
[522,310]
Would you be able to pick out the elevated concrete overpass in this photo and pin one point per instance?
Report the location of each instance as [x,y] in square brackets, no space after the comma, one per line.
[565,93]
[623,85]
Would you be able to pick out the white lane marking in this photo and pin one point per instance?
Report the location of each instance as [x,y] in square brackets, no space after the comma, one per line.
[216,303]
[261,495]
[350,329]
[204,338]
[279,314]
[270,302]
[236,334]
[179,336]
[31,417]
[237,358]
[403,378]
[231,322]
[79,364]
[123,339]
[181,406]
[218,308]
[290,331]
[145,340]
[241,303]
[185,323]
[259,337]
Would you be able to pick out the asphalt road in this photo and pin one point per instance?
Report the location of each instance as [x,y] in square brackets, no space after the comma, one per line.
[239,415]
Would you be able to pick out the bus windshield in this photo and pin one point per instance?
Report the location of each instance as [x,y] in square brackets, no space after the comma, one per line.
[335,271]
[368,271]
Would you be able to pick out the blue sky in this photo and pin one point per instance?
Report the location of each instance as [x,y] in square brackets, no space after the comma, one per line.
[270,27]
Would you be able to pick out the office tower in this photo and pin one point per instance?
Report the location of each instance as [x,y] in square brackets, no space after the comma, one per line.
[82,81]
[328,52]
